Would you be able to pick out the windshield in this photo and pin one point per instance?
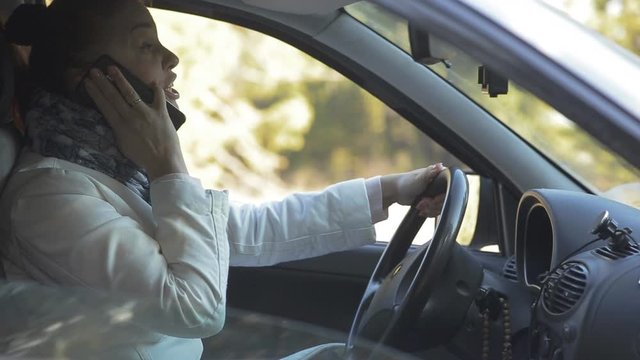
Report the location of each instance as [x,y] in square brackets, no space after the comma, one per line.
[554,135]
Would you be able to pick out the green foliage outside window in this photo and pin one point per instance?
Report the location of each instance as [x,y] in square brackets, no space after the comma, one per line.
[265,118]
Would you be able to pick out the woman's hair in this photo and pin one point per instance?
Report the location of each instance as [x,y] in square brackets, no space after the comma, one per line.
[61,36]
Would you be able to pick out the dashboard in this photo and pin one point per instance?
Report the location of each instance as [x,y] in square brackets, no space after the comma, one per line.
[586,283]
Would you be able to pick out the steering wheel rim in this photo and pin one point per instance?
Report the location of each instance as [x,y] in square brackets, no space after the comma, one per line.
[402,284]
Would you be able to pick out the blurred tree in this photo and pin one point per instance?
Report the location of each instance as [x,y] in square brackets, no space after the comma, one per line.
[261,111]
[620,21]
[355,134]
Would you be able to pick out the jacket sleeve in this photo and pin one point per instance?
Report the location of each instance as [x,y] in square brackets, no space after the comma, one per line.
[64,227]
[301,225]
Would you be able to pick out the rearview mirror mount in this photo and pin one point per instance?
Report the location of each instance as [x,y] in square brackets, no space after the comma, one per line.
[427,49]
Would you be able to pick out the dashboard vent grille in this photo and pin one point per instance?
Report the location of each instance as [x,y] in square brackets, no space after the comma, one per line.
[509,270]
[564,287]
[610,253]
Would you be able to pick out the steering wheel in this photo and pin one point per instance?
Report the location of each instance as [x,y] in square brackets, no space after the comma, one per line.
[403,283]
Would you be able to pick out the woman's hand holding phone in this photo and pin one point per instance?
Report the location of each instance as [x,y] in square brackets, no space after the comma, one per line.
[145,133]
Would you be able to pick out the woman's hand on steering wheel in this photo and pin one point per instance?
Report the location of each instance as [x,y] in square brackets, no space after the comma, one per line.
[404,188]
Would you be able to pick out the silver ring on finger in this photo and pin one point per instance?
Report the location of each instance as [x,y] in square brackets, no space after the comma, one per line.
[135,102]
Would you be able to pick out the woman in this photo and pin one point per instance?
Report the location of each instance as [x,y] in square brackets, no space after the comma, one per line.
[102,199]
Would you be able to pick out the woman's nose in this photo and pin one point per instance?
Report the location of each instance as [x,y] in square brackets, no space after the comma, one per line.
[170,59]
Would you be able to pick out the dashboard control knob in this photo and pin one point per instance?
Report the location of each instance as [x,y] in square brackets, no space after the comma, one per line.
[545,346]
[557,355]
[568,333]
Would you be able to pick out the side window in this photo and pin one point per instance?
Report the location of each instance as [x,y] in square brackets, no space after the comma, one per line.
[264,119]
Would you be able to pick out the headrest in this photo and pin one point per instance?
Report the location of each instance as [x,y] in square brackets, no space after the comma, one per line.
[7,80]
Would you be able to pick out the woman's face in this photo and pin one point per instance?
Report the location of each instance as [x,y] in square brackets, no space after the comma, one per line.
[134,43]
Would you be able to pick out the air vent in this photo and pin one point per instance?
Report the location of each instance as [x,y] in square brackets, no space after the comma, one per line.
[610,253]
[509,270]
[564,287]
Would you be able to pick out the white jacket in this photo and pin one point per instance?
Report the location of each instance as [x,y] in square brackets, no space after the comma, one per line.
[66,225]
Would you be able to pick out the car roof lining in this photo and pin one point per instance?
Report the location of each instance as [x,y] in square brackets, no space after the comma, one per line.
[300,6]
[307,24]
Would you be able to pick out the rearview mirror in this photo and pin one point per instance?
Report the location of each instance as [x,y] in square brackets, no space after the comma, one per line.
[428,49]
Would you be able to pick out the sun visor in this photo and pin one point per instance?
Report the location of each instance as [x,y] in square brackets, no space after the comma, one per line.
[300,6]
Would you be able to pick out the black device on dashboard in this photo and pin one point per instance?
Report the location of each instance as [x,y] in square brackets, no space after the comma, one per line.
[144,91]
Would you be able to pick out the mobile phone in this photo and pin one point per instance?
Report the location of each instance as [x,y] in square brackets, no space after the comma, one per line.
[144,91]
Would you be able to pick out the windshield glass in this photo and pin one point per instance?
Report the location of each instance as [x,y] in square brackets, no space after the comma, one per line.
[557,137]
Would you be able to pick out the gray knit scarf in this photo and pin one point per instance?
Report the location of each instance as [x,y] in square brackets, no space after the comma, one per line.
[58,127]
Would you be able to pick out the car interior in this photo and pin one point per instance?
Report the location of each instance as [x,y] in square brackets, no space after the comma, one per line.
[10,139]
[561,286]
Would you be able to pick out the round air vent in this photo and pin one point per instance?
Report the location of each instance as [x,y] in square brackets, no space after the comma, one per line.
[564,287]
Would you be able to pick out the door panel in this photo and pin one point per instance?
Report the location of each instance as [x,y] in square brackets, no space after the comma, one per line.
[278,310]
[324,291]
